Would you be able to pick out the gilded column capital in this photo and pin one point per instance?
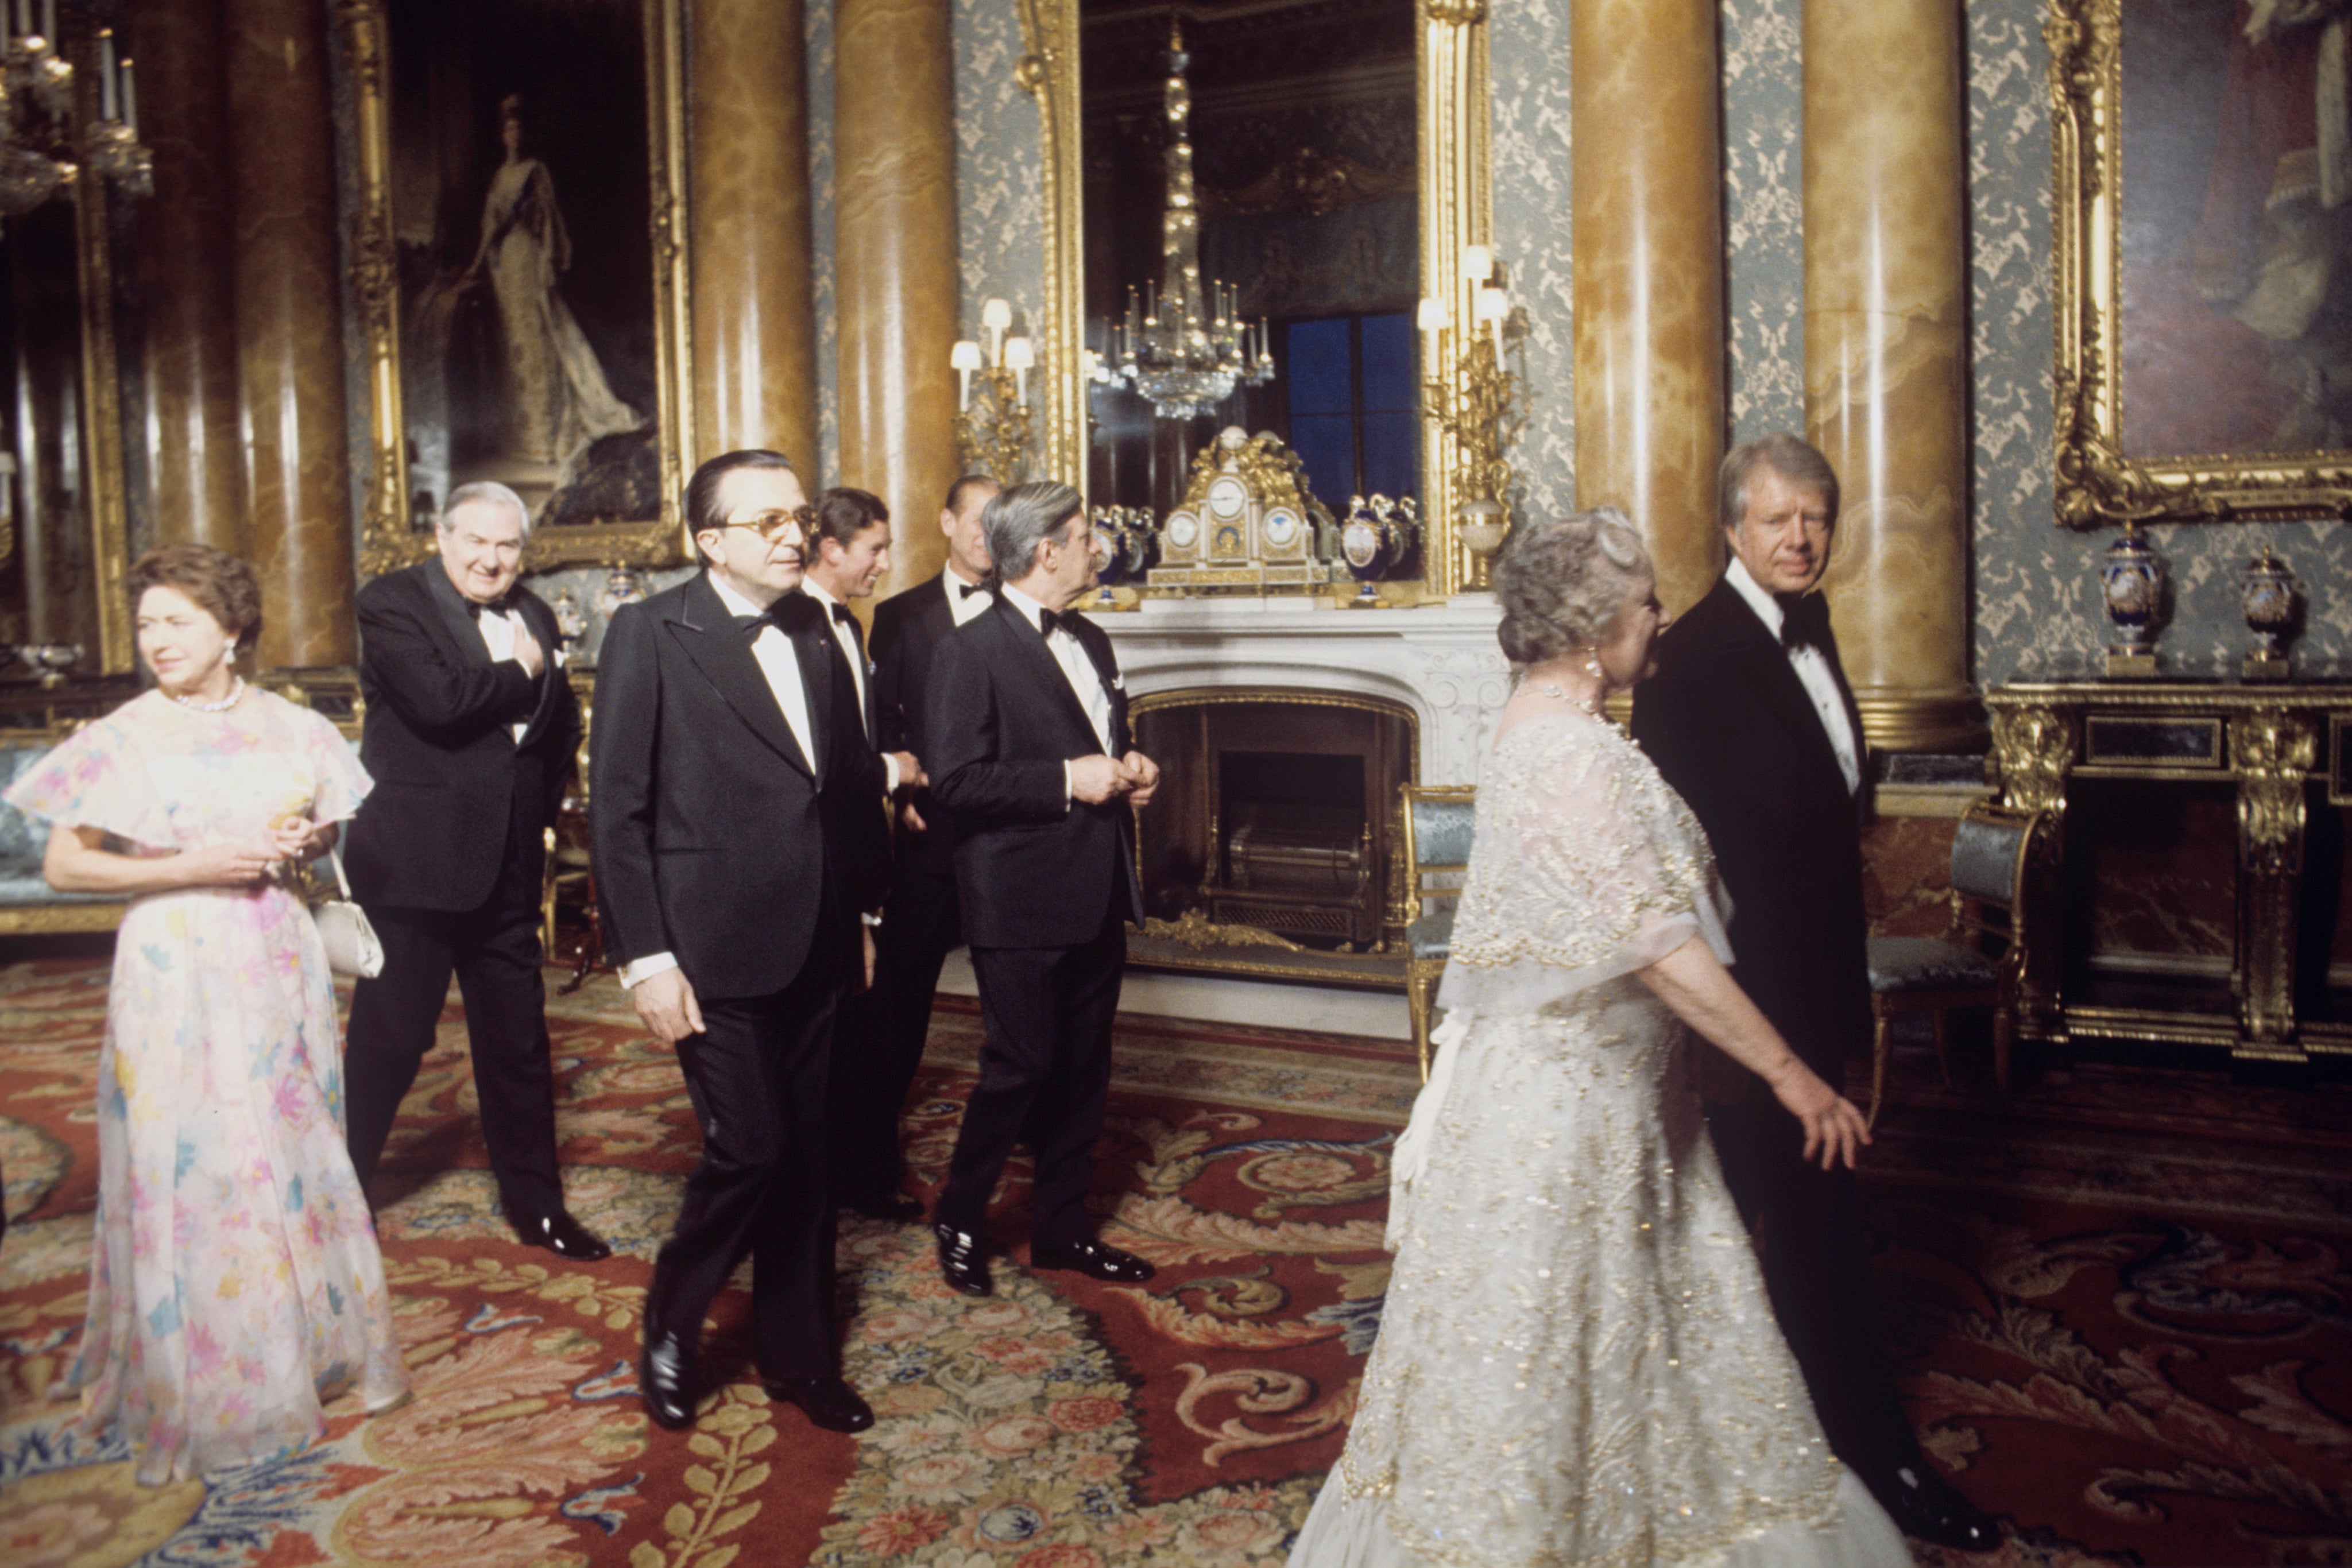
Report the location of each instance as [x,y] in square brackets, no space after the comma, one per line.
[2274,751]
[2034,746]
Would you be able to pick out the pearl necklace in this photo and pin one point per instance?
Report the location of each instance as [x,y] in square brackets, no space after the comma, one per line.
[236,690]
[1590,705]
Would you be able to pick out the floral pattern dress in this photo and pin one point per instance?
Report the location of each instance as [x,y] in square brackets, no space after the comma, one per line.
[235,1285]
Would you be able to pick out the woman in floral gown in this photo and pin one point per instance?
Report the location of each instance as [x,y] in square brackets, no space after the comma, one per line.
[1577,1361]
[235,1285]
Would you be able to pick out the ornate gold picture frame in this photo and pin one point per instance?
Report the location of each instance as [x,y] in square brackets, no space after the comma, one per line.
[585,412]
[2201,299]
[1456,200]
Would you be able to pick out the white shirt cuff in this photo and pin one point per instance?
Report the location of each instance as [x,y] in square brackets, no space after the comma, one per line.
[646,968]
[871,919]
[890,771]
[1069,789]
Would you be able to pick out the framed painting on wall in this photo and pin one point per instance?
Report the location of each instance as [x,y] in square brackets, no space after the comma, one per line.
[518,266]
[2203,246]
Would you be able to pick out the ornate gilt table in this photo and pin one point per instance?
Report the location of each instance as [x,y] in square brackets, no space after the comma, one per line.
[2282,744]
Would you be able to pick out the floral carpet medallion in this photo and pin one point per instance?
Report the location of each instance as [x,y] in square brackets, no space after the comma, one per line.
[2118,1304]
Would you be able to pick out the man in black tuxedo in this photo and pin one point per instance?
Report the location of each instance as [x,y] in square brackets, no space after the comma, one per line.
[469,736]
[881,1043]
[1750,719]
[727,773]
[1027,745]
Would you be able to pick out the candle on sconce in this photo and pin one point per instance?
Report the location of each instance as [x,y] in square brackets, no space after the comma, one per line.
[1018,358]
[130,98]
[1494,306]
[1432,324]
[48,20]
[106,73]
[965,359]
[1477,262]
[996,316]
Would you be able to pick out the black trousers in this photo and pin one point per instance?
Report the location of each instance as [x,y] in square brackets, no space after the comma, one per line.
[757,1076]
[1809,1236]
[495,953]
[879,1043]
[1045,1074]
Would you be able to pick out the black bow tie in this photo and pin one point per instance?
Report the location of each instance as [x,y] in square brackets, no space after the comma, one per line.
[966,590]
[750,625]
[841,613]
[1804,621]
[1048,621]
[503,605]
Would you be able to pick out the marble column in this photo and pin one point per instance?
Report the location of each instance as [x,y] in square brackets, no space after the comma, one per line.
[1886,355]
[47,414]
[289,330]
[195,461]
[897,291]
[1647,197]
[755,315]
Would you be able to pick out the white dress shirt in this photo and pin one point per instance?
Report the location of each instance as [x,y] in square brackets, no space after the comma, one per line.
[1077,668]
[963,606]
[1813,667]
[773,651]
[499,628]
[860,669]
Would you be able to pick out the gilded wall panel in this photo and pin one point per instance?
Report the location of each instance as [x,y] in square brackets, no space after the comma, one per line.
[1526,44]
[1000,172]
[1763,203]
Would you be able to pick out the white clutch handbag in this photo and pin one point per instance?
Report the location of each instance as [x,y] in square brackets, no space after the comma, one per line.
[351,946]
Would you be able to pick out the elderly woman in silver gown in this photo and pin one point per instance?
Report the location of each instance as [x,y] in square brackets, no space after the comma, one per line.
[1577,1361]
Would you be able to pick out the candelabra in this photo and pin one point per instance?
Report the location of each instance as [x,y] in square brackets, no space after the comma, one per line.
[1469,397]
[995,435]
[39,155]
[1184,351]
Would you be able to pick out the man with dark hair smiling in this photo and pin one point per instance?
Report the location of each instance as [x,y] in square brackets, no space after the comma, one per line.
[728,770]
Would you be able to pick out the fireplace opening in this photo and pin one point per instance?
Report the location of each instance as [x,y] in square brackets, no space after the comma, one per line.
[1280,814]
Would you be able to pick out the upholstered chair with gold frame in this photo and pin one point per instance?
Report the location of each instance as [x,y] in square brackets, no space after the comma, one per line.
[1437,825]
[1979,959]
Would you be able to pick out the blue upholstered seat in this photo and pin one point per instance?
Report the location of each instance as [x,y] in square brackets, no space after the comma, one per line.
[1928,964]
[1441,831]
[1431,936]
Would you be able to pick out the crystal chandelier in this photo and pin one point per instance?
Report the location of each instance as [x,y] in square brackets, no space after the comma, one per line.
[1183,350]
[38,153]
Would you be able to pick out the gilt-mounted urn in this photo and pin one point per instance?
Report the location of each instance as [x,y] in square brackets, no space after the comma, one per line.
[2131,583]
[2271,599]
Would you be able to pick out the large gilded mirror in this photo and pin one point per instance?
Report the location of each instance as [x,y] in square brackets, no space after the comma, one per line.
[1339,167]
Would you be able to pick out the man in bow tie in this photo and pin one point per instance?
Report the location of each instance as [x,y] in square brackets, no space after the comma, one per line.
[730,781]
[921,921]
[1027,747]
[469,736]
[1750,719]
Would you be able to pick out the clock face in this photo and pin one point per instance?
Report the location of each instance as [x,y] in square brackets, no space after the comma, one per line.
[1227,496]
[1281,527]
[1183,529]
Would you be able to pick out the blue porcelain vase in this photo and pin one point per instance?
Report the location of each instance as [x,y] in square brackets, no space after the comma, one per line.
[2131,581]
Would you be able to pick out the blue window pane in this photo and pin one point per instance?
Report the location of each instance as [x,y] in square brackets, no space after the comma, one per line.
[1326,442]
[1318,367]
[1388,362]
[1391,455]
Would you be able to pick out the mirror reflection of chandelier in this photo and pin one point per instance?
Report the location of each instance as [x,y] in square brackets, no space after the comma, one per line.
[38,153]
[1183,350]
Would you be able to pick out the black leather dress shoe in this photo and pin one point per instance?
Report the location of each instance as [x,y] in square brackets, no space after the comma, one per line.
[666,1381]
[898,1208]
[1097,1259]
[963,1260]
[1924,1506]
[562,1235]
[829,1402]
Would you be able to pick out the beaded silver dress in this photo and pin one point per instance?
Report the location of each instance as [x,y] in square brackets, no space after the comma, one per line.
[1577,1362]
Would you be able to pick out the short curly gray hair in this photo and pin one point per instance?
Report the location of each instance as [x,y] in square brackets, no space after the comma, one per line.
[1562,584]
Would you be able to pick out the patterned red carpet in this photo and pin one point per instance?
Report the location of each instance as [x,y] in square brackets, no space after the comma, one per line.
[2121,1309]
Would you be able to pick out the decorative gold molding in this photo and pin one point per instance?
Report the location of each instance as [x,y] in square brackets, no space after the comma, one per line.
[2096,483]
[1049,28]
[387,541]
[1197,931]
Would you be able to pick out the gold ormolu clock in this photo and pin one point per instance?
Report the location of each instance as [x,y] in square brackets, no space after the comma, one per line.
[1247,523]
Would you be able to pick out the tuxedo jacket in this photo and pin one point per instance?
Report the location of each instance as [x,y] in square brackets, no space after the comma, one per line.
[1730,726]
[871,846]
[438,741]
[716,837]
[908,631]
[1033,867]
